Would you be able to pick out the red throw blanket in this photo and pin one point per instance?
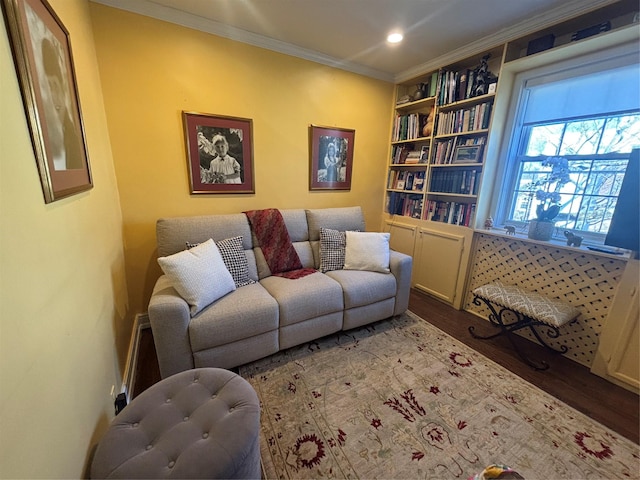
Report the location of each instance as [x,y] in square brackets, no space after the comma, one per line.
[275,243]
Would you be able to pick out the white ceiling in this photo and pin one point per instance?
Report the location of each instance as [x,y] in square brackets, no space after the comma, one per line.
[351,34]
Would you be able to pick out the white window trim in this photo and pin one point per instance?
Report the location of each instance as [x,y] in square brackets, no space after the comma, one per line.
[555,69]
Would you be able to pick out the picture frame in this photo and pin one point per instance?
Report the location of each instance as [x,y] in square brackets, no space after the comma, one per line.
[327,170]
[219,153]
[468,154]
[424,154]
[43,59]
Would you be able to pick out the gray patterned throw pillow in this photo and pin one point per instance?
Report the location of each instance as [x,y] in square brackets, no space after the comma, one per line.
[332,248]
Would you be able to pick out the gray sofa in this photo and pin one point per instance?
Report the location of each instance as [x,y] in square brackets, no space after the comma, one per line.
[274,313]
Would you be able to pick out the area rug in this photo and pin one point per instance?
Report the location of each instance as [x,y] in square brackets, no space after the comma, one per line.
[402,399]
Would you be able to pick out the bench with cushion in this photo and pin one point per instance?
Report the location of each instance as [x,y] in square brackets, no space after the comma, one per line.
[529,310]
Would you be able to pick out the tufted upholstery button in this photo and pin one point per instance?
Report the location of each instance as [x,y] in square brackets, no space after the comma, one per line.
[152,451]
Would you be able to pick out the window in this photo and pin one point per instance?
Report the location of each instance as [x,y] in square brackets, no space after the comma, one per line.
[583,116]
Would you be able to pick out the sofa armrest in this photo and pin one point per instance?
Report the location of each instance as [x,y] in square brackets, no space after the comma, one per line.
[400,265]
[169,316]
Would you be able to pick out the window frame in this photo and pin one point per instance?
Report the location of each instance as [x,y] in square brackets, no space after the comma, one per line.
[554,69]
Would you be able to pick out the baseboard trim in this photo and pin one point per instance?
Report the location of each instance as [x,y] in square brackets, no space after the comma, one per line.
[140,322]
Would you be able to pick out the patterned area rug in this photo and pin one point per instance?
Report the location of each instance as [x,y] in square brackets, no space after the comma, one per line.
[402,399]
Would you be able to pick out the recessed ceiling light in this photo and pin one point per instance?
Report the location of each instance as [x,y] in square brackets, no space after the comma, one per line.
[395,37]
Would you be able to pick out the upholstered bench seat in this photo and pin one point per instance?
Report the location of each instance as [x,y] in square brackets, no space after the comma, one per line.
[201,423]
[513,308]
[533,305]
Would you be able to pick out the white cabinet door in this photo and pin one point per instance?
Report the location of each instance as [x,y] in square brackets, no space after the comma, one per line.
[402,238]
[617,358]
[437,263]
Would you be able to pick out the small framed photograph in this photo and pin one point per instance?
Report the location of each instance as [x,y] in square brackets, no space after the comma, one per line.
[219,153]
[468,154]
[330,158]
[44,64]
[424,154]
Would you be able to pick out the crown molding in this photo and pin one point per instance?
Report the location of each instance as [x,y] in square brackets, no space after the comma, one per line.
[568,10]
[160,12]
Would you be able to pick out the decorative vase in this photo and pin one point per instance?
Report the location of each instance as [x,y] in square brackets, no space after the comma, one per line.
[421,92]
[541,230]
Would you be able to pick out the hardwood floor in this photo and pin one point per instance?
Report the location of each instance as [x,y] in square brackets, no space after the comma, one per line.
[566,380]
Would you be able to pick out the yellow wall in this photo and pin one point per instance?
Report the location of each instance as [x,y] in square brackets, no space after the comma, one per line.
[63,297]
[151,71]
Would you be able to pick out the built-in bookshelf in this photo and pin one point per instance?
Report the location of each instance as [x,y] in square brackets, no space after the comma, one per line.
[435,173]
[436,220]
[410,148]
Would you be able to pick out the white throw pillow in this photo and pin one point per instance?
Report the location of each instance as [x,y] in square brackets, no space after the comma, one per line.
[234,259]
[367,251]
[199,275]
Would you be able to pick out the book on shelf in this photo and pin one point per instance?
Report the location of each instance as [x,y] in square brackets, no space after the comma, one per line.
[445,149]
[405,204]
[462,84]
[424,154]
[454,213]
[408,127]
[418,181]
[399,154]
[454,86]
[464,119]
[406,180]
[433,84]
[463,182]
[413,157]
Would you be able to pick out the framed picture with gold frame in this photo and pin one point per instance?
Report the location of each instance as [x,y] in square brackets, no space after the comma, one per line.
[44,64]
[330,158]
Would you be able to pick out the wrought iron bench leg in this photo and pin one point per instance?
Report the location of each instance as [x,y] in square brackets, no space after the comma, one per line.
[497,319]
[552,332]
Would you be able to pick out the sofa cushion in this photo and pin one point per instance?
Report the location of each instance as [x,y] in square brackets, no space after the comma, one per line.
[199,275]
[362,287]
[341,219]
[296,222]
[367,251]
[304,298]
[172,233]
[244,313]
